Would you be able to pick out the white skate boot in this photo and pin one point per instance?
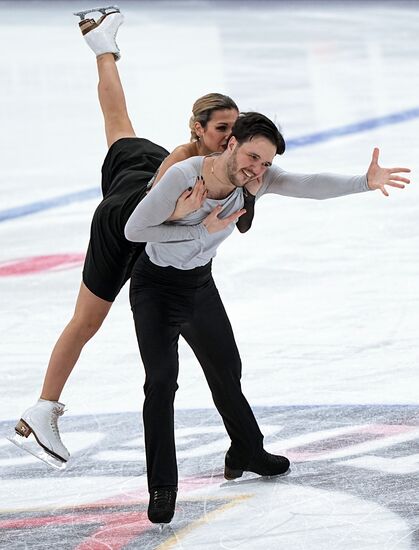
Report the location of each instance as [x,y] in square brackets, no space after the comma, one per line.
[100,35]
[41,421]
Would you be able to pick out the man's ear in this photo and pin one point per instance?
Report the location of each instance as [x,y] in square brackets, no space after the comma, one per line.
[232,142]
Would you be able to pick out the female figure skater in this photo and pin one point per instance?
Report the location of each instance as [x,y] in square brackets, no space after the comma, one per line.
[131,165]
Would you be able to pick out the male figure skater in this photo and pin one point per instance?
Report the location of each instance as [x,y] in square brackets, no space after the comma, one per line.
[172,292]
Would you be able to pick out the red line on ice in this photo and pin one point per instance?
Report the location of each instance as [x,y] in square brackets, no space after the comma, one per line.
[116,529]
[37,264]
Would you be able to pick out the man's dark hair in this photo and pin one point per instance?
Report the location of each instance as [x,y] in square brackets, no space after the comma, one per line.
[250,125]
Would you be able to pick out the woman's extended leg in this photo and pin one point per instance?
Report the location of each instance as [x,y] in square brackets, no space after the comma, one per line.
[90,310]
[89,314]
[41,419]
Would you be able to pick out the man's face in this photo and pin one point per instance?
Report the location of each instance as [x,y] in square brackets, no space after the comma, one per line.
[250,160]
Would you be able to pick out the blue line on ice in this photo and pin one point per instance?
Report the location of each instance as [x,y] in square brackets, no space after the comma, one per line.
[303,141]
[34,207]
[356,128]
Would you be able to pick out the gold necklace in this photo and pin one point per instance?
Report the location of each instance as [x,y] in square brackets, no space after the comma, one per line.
[215,175]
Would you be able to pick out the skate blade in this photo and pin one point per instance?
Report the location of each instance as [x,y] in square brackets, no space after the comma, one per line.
[35,450]
[104,11]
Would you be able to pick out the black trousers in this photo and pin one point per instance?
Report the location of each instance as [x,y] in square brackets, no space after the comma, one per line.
[166,303]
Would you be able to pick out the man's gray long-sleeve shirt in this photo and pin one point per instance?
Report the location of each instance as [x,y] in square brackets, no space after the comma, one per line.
[186,243]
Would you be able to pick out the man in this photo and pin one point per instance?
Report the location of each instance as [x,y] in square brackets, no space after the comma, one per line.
[173,293]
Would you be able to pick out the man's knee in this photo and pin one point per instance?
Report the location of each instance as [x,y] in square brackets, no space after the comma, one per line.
[231,368]
[163,385]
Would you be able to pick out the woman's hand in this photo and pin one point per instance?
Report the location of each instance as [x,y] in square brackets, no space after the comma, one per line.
[213,223]
[190,200]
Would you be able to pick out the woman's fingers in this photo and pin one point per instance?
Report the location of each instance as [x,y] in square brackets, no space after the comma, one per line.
[234,217]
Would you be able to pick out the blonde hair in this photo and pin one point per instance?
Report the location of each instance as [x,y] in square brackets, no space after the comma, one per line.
[203,108]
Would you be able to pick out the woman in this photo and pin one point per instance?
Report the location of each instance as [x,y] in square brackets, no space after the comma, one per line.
[126,174]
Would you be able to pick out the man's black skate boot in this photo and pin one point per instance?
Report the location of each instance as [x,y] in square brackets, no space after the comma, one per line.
[161,507]
[264,464]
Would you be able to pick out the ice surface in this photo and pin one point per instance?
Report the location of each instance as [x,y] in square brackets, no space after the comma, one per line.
[323,296]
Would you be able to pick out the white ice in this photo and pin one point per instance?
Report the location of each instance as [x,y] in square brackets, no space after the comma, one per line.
[323,296]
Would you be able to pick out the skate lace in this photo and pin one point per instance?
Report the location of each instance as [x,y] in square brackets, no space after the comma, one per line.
[55,413]
[163,497]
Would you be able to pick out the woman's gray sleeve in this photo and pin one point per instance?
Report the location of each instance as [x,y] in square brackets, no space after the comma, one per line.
[311,186]
[146,223]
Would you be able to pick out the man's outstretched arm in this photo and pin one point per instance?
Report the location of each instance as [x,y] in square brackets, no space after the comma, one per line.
[326,186]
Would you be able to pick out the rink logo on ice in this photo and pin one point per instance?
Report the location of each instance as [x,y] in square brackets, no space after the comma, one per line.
[112,524]
[367,452]
[38,264]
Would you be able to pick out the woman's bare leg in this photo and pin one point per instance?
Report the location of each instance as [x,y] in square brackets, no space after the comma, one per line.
[89,314]
[42,418]
[112,100]
[90,310]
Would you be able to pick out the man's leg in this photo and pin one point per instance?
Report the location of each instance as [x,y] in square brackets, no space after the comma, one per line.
[210,336]
[158,342]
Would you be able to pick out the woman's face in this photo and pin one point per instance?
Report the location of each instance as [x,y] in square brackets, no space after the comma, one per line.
[213,138]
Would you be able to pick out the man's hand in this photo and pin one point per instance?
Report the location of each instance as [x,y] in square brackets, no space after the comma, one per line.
[378,177]
[190,200]
[213,223]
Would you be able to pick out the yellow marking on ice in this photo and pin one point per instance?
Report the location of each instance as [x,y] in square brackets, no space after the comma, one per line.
[169,543]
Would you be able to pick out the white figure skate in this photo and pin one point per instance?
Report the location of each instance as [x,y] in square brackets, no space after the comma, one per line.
[41,422]
[100,35]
